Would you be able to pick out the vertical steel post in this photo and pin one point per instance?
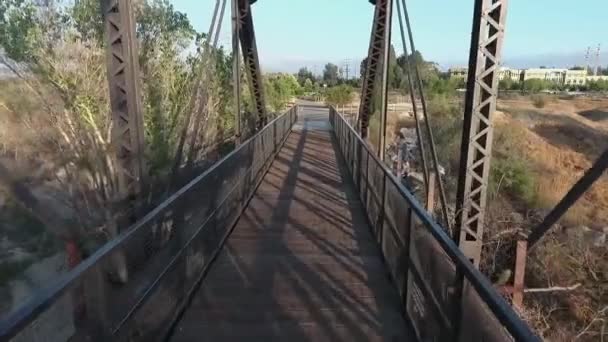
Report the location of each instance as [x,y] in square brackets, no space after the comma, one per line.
[480,104]
[386,50]
[251,60]
[521,255]
[573,195]
[236,70]
[374,58]
[123,71]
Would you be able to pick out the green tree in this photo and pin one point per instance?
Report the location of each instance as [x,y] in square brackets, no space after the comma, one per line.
[58,53]
[280,89]
[339,95]
[330,74]
[308,86]
[303,75]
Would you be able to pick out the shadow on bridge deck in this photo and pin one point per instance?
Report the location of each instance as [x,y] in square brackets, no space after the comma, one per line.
[301,263]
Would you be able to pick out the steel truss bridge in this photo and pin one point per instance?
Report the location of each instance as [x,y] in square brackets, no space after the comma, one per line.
[300,233]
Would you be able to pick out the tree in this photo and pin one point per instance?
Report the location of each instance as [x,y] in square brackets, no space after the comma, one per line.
[57,54]
[330,74]
[280,89]
[308,86]
[305,74]
[339,95]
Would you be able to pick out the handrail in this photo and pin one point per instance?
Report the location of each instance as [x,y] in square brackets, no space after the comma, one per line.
[19,319]
[496,303]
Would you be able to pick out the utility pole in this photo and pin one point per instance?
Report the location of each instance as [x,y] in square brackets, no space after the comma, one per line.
[236,70]
[125,101]
[597,61]
[347,68]
[489,21]
[587,61]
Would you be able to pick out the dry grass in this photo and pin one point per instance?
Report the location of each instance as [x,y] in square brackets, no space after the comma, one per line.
[557,169]
[566,256]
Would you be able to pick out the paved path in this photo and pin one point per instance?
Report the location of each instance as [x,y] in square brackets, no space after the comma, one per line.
[301,264]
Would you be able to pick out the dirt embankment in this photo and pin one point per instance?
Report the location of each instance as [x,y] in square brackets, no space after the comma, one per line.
[563,138]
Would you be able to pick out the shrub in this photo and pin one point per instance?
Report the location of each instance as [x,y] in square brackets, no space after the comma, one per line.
[539,101]
[513,176]
[339,96]
[511,172]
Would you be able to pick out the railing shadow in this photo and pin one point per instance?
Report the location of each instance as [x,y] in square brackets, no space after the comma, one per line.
[301,263]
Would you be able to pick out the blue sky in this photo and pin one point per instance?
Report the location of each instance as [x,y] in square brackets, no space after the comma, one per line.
[293,33]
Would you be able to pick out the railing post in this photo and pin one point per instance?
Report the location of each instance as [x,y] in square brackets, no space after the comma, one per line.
[456,310]
[382,213]
[519,274]
[430,194]
[409,224]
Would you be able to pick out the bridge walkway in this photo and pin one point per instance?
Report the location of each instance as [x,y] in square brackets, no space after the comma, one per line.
[301,263]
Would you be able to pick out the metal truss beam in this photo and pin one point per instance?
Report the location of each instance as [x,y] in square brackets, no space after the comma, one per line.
[125,102]
[375,58]
[575,193]
[251,60]
[480,104]
[236,70]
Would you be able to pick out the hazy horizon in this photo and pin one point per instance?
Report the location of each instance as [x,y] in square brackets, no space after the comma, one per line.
[304,33]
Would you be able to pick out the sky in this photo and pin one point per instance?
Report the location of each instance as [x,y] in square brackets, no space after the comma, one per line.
[295,33]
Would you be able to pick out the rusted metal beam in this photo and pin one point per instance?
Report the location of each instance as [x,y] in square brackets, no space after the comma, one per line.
[521,255]
[577,191]
[236,70]
[375,57]
[480,104]
[251,60]
[386,57]
[125,101]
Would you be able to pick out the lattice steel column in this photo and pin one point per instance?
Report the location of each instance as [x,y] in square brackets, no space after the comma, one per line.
[480,104]
[380,31]
[236,70]
[251,60]
[123,71]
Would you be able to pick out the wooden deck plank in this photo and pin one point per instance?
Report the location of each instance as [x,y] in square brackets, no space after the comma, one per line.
[301,263]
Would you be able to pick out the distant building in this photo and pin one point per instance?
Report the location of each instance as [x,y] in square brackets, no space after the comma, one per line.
[510,74]
[551,75]
[559,76]
[458,73]
[575,77]
[597,78]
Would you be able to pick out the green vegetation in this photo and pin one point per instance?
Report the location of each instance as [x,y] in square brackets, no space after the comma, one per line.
[331,74]
[339,96]
[280,89]
[536,86]
[61,117]
[510,173]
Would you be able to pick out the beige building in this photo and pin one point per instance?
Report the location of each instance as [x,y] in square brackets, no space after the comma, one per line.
[552,75]
[575,77]
[458,73]
[510,74]
[560,76]
[596,78]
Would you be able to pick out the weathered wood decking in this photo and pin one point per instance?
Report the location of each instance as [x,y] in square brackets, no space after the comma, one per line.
[301,263]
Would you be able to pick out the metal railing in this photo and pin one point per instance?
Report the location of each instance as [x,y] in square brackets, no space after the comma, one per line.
[173,244]
[444,296]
